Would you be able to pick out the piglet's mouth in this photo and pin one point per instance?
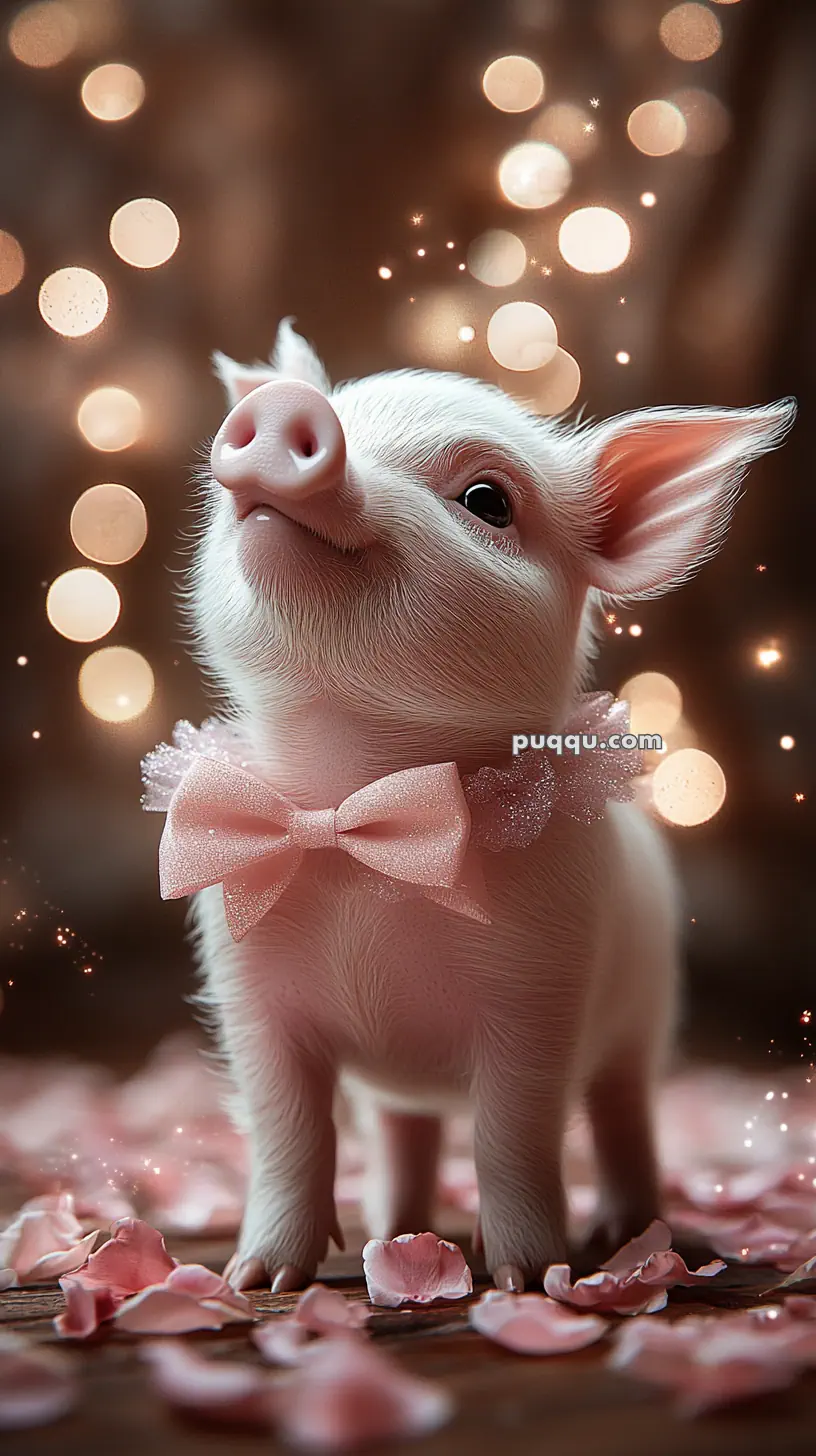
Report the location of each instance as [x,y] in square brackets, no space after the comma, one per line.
[263,516]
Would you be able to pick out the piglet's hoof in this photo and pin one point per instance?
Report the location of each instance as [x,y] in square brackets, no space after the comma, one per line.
[250,1273]
[509,1279]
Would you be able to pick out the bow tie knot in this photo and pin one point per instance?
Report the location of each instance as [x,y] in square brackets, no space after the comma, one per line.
[313,828]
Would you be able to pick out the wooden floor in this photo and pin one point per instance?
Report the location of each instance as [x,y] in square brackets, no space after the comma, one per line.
[508,1404]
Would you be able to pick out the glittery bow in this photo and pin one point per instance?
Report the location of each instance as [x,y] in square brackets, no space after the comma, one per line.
[225,826]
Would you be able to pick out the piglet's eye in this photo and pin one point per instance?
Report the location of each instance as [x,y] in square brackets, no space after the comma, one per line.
[487,501]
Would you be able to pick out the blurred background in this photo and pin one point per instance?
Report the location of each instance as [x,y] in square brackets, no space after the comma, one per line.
[176,175]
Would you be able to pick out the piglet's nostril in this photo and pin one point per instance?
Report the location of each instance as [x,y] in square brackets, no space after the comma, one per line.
[241,432]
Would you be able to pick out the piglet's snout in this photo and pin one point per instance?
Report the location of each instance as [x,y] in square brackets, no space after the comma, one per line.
[283,441]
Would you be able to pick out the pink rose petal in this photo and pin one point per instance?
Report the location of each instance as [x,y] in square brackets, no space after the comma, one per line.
[85,1309]
[415,1267]
[533,1325]
[613,1293]
[804,1274]
[36,1386]
[319,1311]
[133,1258]
[190,1298]
[667,1269]
[710,1361]
[44,1240]
[219,1390]
[345,1392]
[281,1340]
[654,1239]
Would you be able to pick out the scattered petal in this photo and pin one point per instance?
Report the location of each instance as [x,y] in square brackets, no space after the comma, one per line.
[710,1361]
[654,1239]
[44,1240]
[36,1386]
[667,1269]
[344,1392]
[415,1267]
[190,1298]
[613,1293]
[804,1274]
[133,1258]
[319,1311]
[85,1309]
[530,1324]
[219,1390]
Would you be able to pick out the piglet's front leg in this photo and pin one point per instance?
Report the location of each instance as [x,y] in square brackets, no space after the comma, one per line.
[287,1087]
[518,1142]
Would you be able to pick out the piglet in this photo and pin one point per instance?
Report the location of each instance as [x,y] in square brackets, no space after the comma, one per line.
[393,579]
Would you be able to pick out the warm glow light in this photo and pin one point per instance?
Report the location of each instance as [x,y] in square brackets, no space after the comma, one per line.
[594,240]
[708,122]
[768,656]
[82,604]
[73,301]
[144,232]
[109,524]
[657,128]
[655,701]
[522,336]
[116,684]
[787,742]
[647,199]
[622,357]
[43,35]
[420,252]
[12,262]
[113,92]
[635,630]
[110,418]
[567,127]
[534,174]
[557,386]
[22,662]
[691,32]
[497,258]
[466,334]
[513,83]
[688,787]
[385,272]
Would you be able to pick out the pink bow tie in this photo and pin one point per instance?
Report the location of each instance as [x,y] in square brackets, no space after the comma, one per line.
[227,826]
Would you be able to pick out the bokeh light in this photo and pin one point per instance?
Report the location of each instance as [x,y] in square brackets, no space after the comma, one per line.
[12,262]
[623,357]
[688,787]
[384,272]
[112,92]
[647,199]
[768,656]
[82,604]
[144,232]
[708,122]
[568,127]
[43,35]
[497,258]
[109,524]
[522,336]
[534,174]
[657,128]
[73,301]
[116,684]
[691,32]
[557,386]
[655,701]
[110,418]
[513,83]
[787,742]
[594,240]
[466,334]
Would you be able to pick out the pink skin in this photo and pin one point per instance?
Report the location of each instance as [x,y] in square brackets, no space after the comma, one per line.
[360,620]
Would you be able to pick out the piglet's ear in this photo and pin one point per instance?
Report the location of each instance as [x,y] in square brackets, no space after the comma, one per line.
[291,358]
[664,485]
[294,358]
